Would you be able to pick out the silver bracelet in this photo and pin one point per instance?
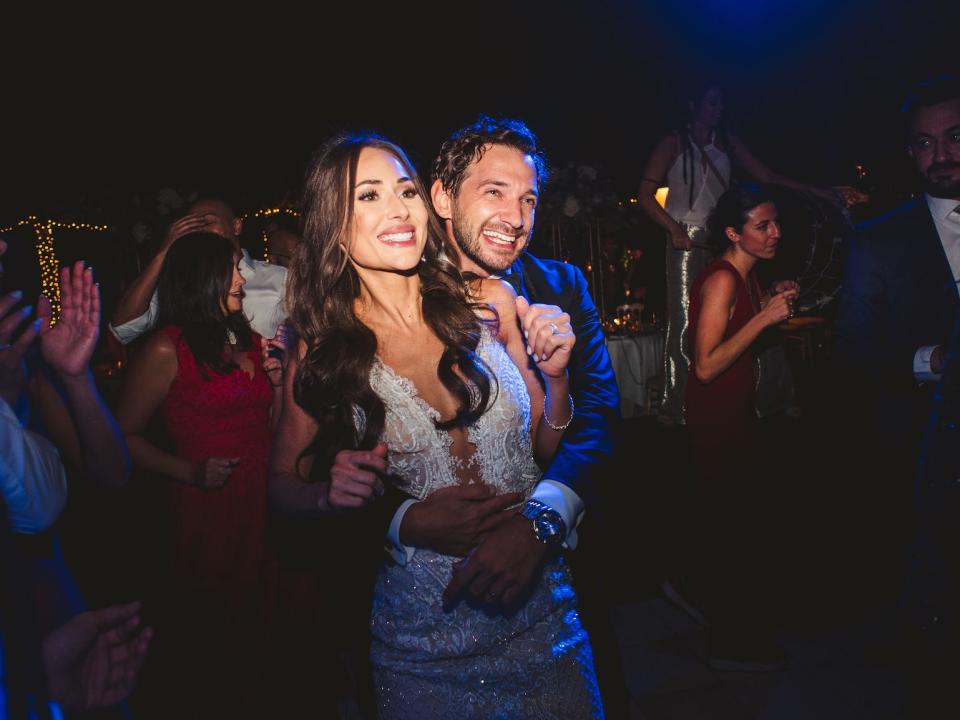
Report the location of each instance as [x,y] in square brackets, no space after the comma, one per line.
[558,428]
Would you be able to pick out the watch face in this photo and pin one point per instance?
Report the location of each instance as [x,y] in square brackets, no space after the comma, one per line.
[547,525]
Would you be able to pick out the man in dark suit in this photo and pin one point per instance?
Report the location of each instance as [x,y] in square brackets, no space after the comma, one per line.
[896,311]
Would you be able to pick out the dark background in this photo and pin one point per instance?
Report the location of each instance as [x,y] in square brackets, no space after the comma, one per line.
[104,105]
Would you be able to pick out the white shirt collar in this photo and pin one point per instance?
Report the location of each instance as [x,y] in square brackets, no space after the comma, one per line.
[245,259]
[941,208]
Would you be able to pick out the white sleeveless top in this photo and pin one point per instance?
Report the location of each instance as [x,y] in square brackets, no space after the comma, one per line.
[707,187]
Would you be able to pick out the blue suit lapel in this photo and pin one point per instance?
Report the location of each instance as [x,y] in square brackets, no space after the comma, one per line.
[516,279]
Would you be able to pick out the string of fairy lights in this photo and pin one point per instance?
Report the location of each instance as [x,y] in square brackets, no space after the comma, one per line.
[45,232]
[265,213]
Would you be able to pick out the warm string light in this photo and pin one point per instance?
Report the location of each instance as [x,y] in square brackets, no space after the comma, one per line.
[47,255]
[49,268]
[267,212]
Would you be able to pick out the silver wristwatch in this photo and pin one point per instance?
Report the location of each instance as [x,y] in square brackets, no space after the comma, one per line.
[548,525]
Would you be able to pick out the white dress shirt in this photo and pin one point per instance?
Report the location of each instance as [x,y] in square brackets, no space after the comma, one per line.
[262,302]
[32,478]
[946,218]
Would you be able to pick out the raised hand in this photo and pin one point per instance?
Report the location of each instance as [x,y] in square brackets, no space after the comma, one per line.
[93,660]
[13,373]
[355,478]
[184,226]
[213,473]
[548,334]
[68,346]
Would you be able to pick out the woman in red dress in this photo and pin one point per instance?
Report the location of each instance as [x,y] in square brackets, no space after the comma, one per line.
[217,392]
[728,312]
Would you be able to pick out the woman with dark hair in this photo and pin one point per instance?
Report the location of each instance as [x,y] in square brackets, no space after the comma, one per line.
[728,312]
[208,375]
[695,163]
[403,375]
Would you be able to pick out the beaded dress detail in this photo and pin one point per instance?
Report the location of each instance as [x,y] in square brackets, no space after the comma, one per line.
[470,662]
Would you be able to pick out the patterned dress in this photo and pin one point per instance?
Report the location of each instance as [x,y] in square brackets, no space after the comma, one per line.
[469,662]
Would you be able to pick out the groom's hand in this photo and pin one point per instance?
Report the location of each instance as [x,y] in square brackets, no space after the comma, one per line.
[501,569]
[454,520]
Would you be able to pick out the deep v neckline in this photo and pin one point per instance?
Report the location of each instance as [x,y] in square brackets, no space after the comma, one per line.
[410,389]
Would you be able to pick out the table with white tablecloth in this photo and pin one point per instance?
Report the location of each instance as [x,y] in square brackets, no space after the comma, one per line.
[636,359]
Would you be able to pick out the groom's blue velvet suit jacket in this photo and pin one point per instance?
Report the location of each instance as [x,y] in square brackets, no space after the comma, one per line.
[589,440]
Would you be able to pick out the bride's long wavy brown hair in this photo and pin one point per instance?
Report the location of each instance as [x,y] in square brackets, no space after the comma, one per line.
[332,382]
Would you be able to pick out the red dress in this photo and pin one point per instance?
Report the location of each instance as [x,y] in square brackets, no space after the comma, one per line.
[220,582]
[723,412]
[735,493]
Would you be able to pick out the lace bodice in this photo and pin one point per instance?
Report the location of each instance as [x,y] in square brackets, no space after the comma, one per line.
[420,453]
[465,662]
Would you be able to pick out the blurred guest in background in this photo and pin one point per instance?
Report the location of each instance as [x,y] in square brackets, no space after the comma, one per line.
[737,509]
[898,303]
[281,244]
[695,162]
[92,659]
[138,309]
[208,374]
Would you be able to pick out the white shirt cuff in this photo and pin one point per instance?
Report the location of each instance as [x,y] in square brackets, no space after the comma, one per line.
[129,331]
[398,551]
[565,501]
[921,364]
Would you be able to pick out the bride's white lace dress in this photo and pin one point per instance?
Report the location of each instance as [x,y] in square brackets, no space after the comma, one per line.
[468,662]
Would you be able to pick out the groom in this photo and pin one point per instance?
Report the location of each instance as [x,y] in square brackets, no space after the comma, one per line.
[487,182]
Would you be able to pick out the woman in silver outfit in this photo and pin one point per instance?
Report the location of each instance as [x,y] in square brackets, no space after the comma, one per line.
[694,162]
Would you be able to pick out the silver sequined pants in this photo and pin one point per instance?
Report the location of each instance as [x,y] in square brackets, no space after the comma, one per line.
[683,267]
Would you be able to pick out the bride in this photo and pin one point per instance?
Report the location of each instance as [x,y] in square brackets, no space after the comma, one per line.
[404,372]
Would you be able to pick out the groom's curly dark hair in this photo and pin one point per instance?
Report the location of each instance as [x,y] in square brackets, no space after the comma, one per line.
[468,144]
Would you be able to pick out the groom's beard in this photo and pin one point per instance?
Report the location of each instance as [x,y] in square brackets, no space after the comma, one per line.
[472,245]
[944,186]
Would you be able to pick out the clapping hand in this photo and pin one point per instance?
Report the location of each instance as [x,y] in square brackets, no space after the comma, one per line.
[548,334]
[68,346]
[13,373]
[93,660]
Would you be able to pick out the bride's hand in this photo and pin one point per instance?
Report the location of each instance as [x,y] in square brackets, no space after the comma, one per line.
[355,478]
[548,335]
